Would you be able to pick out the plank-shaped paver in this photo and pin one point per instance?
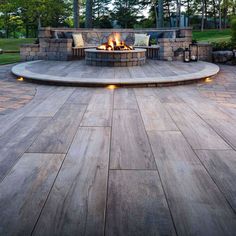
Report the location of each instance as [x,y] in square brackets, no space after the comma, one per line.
[24,191]
[52,104]
[137,205]
[124,98]
[130,148]
[58,135]
[99,110]
[154,115]
[17,140]
[203,106]
[221,165]
[198,133]
[121,73]
[81,96]
[167,95]
[197,205]
[76,204]
[226,129]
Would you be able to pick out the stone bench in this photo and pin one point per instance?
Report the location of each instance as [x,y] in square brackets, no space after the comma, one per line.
[51,48]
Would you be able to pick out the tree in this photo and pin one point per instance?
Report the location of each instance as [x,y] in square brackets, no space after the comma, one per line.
[127,12]
[101,14]
[160,14]
[89,14]
[76,13]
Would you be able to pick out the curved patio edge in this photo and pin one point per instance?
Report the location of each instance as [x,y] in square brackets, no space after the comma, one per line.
[21,70]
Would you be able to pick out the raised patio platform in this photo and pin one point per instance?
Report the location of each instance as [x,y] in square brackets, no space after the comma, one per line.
[78,73]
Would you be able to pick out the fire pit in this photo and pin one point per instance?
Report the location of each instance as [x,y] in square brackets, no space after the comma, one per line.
[115,53]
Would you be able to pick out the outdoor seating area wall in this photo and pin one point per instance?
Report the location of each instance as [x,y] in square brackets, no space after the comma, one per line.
[57,43]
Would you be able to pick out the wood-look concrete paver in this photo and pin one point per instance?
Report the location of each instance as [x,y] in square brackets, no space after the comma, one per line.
[123,161]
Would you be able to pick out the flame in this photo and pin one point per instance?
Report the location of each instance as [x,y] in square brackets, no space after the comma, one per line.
[117,39]
[114,43]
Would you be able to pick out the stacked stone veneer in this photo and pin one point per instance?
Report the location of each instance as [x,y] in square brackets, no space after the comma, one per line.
[48,48]
[51,48]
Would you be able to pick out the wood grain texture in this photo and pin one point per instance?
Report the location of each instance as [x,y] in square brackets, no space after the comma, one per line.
[167,95]
[24,191]
[203,106]
[58,135]
[197,205]
[226,129]
[137,205]
[221,165]
[99,111]
[52,104]
[17,140]
[80,96]
[76,205]
[130,148]
[198,133]
[124,99]
[154,115]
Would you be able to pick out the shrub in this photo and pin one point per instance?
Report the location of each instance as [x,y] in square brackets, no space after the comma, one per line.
[233,30]
[223,45]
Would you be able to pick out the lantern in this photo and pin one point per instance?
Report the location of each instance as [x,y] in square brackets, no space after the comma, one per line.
[187,55]
[193,48]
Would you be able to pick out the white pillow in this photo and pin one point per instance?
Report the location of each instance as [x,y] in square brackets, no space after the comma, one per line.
[141,40]
[78,40]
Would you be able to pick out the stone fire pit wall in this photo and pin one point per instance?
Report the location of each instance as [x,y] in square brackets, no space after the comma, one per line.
[51,48]
[135,57]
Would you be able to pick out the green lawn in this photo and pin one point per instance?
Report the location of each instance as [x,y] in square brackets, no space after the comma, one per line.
[8,58]
[212,35]
[12,44]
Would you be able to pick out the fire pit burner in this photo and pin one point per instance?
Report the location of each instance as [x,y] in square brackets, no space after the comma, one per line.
[114,43]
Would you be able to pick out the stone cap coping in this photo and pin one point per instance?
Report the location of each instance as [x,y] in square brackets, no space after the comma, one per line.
[32,45]
[116,30]
[208,70]
[204,44]
[64,40]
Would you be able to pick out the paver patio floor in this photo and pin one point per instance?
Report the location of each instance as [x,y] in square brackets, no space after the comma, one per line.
[128,161]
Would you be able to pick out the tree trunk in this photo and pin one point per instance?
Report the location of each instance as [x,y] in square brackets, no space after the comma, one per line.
[169,14]
[214,13]
[188,9]
[27,30]
[75,12]
[39,22]
[205,11]
[79,6]
[160,14]
[89,14]
[220,16]
[178,14]
[155,10]
[203,14]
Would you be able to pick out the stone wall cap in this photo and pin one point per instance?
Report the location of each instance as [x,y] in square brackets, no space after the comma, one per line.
[118,30]
[32,45]
[64,40]
[204,44]
[228,52]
